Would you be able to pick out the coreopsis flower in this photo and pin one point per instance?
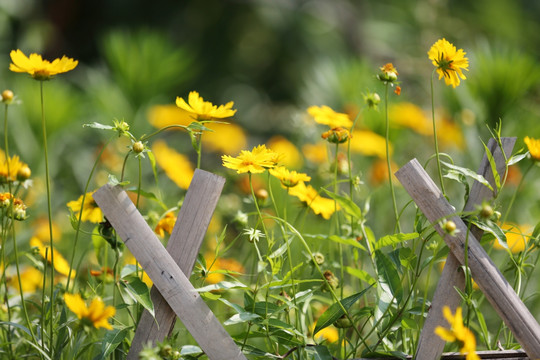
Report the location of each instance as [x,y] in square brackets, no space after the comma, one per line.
[326,116]
[516,237]
[329,334]
[449,62]
[90,211]
[458,333]
[219,267]
[255,161]
[31,280]
[406,114]
[225,138]
[176,166]
[39,68]
[293,158]
[533,145]
[287,177]
[336,135]
[388,73]
[316,153]
[60,263]
[165,224]
[368,143]
[96,315]
[205,110]
[17,168]
[320,205]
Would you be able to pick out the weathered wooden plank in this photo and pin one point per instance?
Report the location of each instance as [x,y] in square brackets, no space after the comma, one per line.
[166,275]
[184,244]
[430,345]
[485,355]
[497,290]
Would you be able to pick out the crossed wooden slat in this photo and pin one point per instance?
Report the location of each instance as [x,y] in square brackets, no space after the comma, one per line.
[170,268]
[491,282]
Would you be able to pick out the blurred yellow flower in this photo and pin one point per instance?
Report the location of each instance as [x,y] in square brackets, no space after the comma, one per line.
[458,333]
[326,116]
[205,110]
[409,115]
[60,263]
[293,158]
[177,166]
[449,133]
[165,224]
[16,168]
[161,116]
[221,266]
[329,333]
[316,153]
[97,314]
[41,229]
[287,177]
[255,161]
[38,68]
[320,205]
[90,210]
[379,171]
[449,62]
[225,138]
[369,143]
[516,237]
[31,280]
[533,145]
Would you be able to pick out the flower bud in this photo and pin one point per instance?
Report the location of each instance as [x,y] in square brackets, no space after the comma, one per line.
[7,97]
[450,227]
[332,282]
[486,211]
[19,210]
[24,173]
[336,135]
[318,258]
[138,147]
[372,100]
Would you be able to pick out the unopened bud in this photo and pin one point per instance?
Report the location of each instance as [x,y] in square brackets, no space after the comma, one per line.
[7,97]
[138,147]
[24,173]
[486,211]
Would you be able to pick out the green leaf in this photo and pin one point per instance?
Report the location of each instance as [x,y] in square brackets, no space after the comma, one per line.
[111,341]
[138,290]
[222,285]
[493,229]
[469,173]
[408,323]
[493,166]
[241,318]
[352,242]
[318,352]
[394,239]
[99,126]
[190,350]
[197,127]
[389,281]
[346,204]
[113,181]
[517,158]
[335,311]
[362,275]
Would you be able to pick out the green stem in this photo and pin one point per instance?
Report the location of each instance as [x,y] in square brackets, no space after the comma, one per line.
[199,150]
[439,169]
[388,161]
[49,210]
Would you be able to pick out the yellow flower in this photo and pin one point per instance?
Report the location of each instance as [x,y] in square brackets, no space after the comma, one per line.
[160,116]
[458,333]
[516,237]
[336,135]
[388,73]
[225,138]
[320,205]
[60,263]
[409,115]
[329,334]
[90,211]
[97,314]
[31,280]
[221,266]
[534,147]
[316,153]
[17,168]
[369,143]
[449,62]
[293,159]
[326,116]
[177,166]
[205,110]
[38,68]
[255,161]
[166,224]
[288,178]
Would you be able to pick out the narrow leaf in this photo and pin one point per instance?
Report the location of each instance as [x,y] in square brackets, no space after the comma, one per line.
[138,290]
[469,173]
[394,239]
[346,204]
[111,341]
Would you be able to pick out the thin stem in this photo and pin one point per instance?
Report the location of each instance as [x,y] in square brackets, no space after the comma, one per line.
[199,149]
[388,162]
[49,211]
[516,192]
[435,136]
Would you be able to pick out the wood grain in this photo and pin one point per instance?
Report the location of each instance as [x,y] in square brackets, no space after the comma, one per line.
[184,244]
[430,345]
[495,287]
[168,278]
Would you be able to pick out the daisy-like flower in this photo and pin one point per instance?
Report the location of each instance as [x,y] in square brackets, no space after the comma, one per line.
[458,333]
[60,263]
[320,205]
[336,135]
[326,116]
[176,166]
[388,73]
[449,62]
[18,170]
[205,110]
[96,315]
[165,224]
[38,68]
[368,143]
[287,177]
[90,211]
[534,147]
[293,158]
[255,161]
